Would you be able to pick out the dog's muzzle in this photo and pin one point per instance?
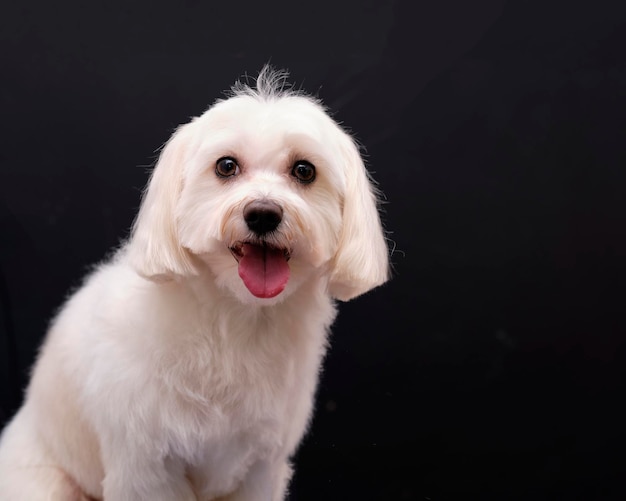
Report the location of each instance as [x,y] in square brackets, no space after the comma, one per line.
[263,268]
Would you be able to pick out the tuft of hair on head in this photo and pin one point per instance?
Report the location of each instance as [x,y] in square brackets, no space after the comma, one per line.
[270,84]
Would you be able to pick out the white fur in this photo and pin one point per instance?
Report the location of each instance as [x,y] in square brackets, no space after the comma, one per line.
[163,377]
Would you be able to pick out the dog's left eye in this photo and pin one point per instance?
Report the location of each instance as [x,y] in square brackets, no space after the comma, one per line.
[303,171]
[226,167]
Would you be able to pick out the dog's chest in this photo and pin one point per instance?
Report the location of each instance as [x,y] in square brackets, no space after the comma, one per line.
[221,464]
[235,397]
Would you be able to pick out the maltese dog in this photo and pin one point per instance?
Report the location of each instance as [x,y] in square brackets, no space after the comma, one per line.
[186,365]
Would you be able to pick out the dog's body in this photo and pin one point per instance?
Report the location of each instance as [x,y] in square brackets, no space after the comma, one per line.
[185,367]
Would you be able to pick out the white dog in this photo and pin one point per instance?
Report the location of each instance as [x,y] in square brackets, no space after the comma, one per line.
[185,367]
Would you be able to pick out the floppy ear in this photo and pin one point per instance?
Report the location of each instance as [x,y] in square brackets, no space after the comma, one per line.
[154,249]
[361,262]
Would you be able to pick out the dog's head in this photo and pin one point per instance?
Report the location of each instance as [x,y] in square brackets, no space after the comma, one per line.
[266,190]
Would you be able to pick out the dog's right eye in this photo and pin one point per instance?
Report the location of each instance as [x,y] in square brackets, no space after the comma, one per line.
[226,167]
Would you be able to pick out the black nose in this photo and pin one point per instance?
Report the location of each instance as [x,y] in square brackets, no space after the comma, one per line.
[262,216]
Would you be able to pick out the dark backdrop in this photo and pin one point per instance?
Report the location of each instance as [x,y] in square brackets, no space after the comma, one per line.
[491,366]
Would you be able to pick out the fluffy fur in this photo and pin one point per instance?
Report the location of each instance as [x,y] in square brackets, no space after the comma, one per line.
[164,377]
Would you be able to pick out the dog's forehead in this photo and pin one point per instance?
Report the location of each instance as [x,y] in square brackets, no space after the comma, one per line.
[295,114]
[269,135]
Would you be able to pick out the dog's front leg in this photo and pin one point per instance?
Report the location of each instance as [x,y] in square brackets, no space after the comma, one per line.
[265,481]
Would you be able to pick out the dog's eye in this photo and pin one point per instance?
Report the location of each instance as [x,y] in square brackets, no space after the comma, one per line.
[226,167]
[303,171]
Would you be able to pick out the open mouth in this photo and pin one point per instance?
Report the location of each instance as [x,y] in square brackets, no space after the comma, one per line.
[263,268]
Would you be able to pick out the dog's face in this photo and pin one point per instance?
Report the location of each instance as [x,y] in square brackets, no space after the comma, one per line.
[261,195]
[266,191]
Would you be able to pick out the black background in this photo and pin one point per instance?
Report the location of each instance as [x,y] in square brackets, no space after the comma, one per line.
[491,366]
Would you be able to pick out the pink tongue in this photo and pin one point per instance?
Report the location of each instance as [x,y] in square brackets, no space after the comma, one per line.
[264,270]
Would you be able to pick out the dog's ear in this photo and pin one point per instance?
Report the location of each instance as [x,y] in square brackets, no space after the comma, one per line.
[154,249]
[362,260]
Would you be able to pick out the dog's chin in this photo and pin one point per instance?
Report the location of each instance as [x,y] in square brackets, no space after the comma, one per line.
[237,287]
